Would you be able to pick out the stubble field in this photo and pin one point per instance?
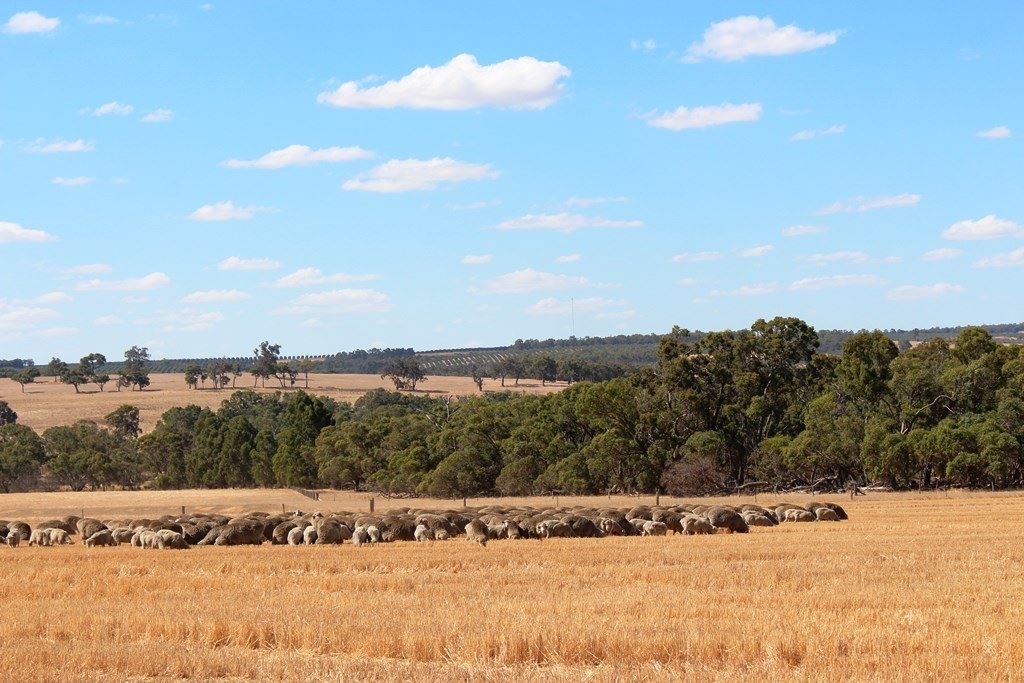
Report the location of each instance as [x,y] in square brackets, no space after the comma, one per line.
[47,403]
[911,587]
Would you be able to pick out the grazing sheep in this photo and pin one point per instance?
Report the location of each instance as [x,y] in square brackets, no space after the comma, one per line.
[727,518]
[694,525]
[838,509]
[122,534]
[373,532]
[610,527]
[359,536]
[798,515]
[753,518]
[476,531]
[58,537]
[826,514]
[423,533]
[172,540]
[441,535]
[87,526]
[13,540]
[101,538]
[309,535]
[295,536]
[24,531]
[148,540]
[654,529]
[328,531]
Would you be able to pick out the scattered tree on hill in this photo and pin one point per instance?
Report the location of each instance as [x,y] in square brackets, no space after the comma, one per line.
[124,420]
[21,454]
[75,378]
[7,414]
[478,378]
[25,376]
[405,373]
[545,368]
[89,364]
[219,372]
[266,358]
[192,374]
[100,380]
[56,368]
[306,366]
[135,369]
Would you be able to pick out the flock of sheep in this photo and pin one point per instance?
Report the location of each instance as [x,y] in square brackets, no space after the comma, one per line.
[410,524]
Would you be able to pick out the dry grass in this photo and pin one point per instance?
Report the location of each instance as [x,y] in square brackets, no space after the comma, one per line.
[912,587]
[49,403]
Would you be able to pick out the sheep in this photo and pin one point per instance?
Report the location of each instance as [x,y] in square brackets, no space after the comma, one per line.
[167,539]
[309,535]
[59,537]
[610,527]
[753,518]
[441,535]
[727,518]
[122,534]
[13,540]
[295,535]
[826,514]
[40,537]
[512,530]
[423,533]
[328,531]
[373,532]
[101,538]
[280,534]
[695,525]
[798,515]
[359,536]
[23,530]
[476,531]
[838,509]
[87,526]
[148,540]
[654,529]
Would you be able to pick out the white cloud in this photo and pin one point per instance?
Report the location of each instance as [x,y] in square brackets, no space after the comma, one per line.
[133,299]
[43,146]
[146,282]
[111,109]
[747,36]
[703,117]
[862,204]
[236,263]
[30,22]
[99,19]
[812,133]
[997,133]
[87,269]
[530,280]
[408,175]
[341,301]
[462,83]
[52,298]
[943,254]
[988,227]
[214,296]
[564,222]
[226,211]
[12,232]
[746,290]
[645,45]
[822,259]
[158,116]
[186,320]
[1013,258]
[759,250]
[309,277]
[311,322]
[107,321]
[21,318]
[697,257]
[687,281]
[473,206]
[74,181]
[918,292]
[802,230]
[477,260]
[569,258]
[586,202]
[300,155]
[58,332]
[586,306]
[831,281]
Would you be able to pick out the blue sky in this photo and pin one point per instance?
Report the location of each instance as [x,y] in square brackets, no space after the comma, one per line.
[330,176]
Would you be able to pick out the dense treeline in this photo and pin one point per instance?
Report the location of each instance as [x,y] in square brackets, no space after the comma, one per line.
[722,411]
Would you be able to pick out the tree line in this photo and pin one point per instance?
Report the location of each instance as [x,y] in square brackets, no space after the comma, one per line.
[731,409]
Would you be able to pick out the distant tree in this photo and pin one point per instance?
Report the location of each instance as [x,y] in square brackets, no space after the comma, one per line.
[100,380]
[75,378]
[192,374]
[124,420]
[306,365]
[7,414]
[135,369]
[218,371]
[56,368]
[25,376]
[545,368]
[21,454]
[89,364]
[405,373]
[478,378]
[266,358]
[236,372]
[515,367]
[294,462]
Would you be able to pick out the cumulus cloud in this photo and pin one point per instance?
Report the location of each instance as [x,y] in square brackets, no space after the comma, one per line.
[477,260]
[822,259]
[1013,258]
[988,227]
[300,155]
[802,230]
[186,320]
[236,263]
[759,250]
[530,280]
[697,257]
[21,318]
[997,133]
[137,284]
[586,202]
[52,298]
[747,36]
[342,301]
[158,116]
[918,292]
[462,83]
[226,211]
[812,133]
[410,175]
[12,232]
[309,277]
[943,254]
[99,19]
[74,181]
[832,281]
[214,296]
[564,222]
[586,306]
[57,331]
[703,117]
[30,22]
[862,204]
[87,269]
[569,258]
[111,109]
[645,45]
[43,146]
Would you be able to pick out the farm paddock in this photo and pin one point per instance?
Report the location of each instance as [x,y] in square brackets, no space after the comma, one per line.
[913,586]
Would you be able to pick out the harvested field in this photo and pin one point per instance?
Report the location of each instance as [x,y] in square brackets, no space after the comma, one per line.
[47,403]
[913,586]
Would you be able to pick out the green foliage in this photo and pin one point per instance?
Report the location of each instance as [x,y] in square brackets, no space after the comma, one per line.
[124,420]
[7,414]
[21,454]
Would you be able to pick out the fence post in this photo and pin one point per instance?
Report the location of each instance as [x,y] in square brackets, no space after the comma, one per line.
[371,503]
[464,503]
[657,496]
[282,507]
[182,509]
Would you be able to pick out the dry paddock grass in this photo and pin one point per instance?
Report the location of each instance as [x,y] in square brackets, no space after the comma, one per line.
[912,587]
[47,403]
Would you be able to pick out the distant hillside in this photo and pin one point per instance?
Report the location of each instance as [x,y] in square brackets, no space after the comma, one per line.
[624,351]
